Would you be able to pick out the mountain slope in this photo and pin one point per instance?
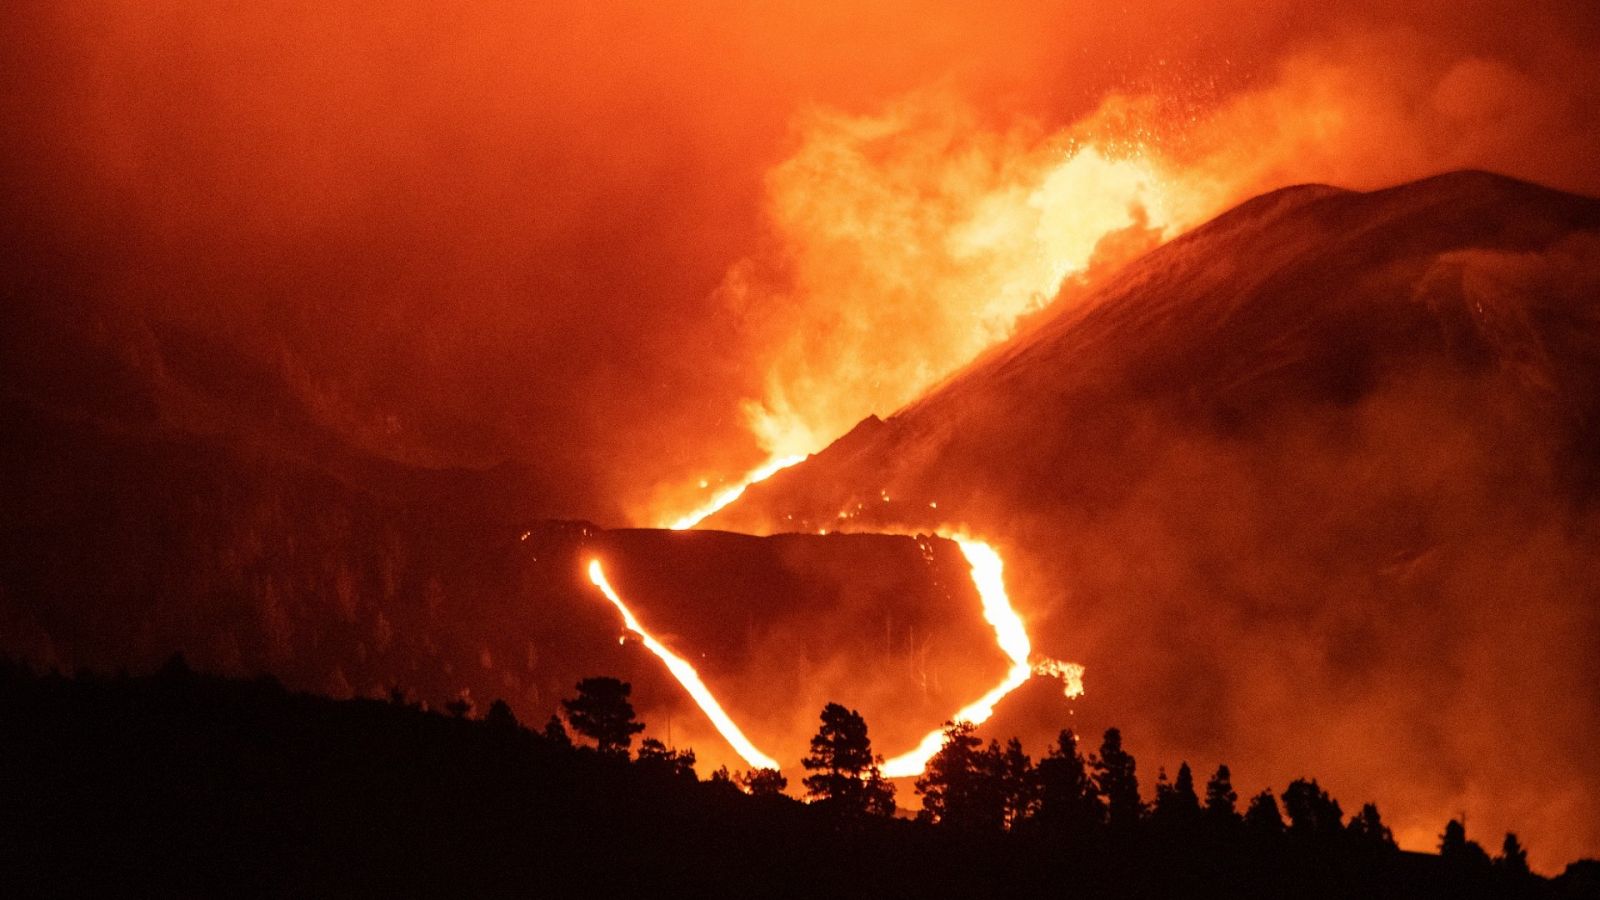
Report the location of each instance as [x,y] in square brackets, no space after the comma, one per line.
[1319,474]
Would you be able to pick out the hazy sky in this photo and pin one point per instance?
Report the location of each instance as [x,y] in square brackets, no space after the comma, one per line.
[641,245]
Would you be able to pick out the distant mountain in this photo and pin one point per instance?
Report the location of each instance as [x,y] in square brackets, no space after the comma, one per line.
[1314,485]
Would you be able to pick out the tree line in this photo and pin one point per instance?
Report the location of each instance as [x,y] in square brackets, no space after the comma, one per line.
[971,787]
[184,783]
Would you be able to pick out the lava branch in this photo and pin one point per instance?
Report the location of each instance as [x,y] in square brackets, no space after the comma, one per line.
[989,578]
[686,675]
[723,498]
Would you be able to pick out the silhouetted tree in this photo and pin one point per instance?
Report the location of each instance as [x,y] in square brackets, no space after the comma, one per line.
[962,784]
[500,717]
[1068,800]
[1263,815]
[1221,800]
[1460,853]
[1311,811]
[1513,859]
[1177,802]
[601,712]
[763,782]
[555,733]
[1367,827]
[1019,782]
[654,756]
[1116,779]
[847,776]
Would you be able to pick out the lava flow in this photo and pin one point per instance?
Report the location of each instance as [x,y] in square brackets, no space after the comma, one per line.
[988,576]
[686,675]
[723,498]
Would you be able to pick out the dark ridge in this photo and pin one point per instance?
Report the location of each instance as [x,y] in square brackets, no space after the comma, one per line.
[186,784]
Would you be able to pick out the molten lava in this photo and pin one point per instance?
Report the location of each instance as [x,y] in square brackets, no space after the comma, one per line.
[723,498]
[989,578]
[686,675]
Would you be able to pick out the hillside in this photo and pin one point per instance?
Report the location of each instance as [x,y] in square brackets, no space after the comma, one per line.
[350,576]
[1316,481]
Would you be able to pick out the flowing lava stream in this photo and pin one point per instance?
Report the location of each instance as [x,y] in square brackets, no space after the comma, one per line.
[988,577]
[768,469]
[686,675]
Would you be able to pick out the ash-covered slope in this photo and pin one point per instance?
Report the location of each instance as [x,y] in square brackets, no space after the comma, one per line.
[1313,486]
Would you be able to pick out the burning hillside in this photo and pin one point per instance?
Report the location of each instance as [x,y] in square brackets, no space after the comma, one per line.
[1312,485]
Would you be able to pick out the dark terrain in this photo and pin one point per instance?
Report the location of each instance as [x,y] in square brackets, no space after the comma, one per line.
[186,784]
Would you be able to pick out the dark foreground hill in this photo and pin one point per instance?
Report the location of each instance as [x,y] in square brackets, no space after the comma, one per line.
[190,785]
[1315,482]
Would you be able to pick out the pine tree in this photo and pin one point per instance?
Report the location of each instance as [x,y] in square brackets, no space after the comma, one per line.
[1177,802]
[555,733]
[500,717]
[1311,811]
[1221,801]
[1460,853]
[602,712]
[763,782]
[960,786]
[847,776]
[1019,782]
[1367,828]
[654,756]
[1183,788]
[1116,779]
[1513,859]
[1068,801]
[1263,815]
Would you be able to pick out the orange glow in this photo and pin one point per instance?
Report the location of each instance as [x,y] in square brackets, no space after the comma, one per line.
[686,675]
[911,241]
[723,498]
[988,575]
[914,239]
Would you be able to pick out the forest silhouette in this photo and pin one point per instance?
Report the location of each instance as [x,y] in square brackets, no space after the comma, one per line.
[184,783]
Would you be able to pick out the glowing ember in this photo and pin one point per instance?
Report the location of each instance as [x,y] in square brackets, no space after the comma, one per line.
[723,498]
[686,675]
[988,576]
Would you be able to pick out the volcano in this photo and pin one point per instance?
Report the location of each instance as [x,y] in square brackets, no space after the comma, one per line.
[1311,488]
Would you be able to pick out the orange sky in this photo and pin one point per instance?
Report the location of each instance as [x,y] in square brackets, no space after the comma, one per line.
[639,246]
[610,239]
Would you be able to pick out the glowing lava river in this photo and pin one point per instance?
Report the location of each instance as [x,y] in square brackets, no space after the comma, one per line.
[686,675]
[1010,633]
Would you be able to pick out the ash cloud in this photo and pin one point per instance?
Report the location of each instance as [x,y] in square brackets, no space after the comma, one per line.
[468,236]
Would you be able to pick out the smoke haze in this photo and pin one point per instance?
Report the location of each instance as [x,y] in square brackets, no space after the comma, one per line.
[629,249]
[636,247]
